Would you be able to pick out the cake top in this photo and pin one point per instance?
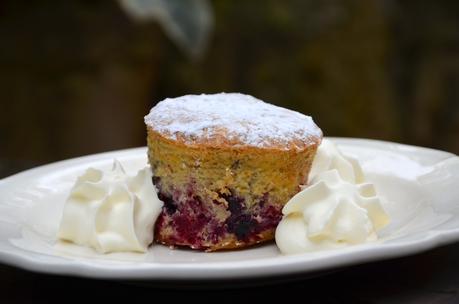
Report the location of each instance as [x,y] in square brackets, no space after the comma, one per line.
[232,119]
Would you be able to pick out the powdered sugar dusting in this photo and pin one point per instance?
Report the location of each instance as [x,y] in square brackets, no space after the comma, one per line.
[241,119]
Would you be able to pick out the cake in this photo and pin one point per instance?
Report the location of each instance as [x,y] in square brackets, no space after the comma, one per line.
[224,165]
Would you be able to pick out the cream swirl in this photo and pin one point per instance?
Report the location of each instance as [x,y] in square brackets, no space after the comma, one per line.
[111,211]
[329,157]
[333,210]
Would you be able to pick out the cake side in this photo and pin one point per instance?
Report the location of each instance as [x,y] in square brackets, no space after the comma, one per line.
[223,197]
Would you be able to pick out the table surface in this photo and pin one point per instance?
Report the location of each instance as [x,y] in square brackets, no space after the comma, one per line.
[430,277]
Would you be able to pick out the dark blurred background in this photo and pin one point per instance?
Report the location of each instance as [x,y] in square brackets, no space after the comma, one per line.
[77,77]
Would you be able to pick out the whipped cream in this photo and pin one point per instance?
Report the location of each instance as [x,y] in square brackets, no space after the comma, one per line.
[336,209]
[111,211]
[329,157]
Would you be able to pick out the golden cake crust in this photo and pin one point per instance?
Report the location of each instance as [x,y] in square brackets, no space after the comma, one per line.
[234,121]
[179,159]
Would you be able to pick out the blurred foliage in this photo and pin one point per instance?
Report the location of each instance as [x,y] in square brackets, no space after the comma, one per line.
[77,77]
[188,23]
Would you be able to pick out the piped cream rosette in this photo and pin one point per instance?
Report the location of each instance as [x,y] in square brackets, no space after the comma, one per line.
[111,211]
[337,208]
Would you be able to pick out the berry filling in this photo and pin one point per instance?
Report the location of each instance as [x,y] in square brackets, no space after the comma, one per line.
[187,220]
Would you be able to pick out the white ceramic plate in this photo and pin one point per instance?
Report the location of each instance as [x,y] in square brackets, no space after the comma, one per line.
[421,185]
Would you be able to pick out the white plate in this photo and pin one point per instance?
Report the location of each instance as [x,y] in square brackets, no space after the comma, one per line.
[421,184]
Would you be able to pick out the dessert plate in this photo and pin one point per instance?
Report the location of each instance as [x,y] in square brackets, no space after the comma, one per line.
[420,185]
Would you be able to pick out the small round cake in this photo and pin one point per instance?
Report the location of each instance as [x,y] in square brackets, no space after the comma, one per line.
[224,165]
